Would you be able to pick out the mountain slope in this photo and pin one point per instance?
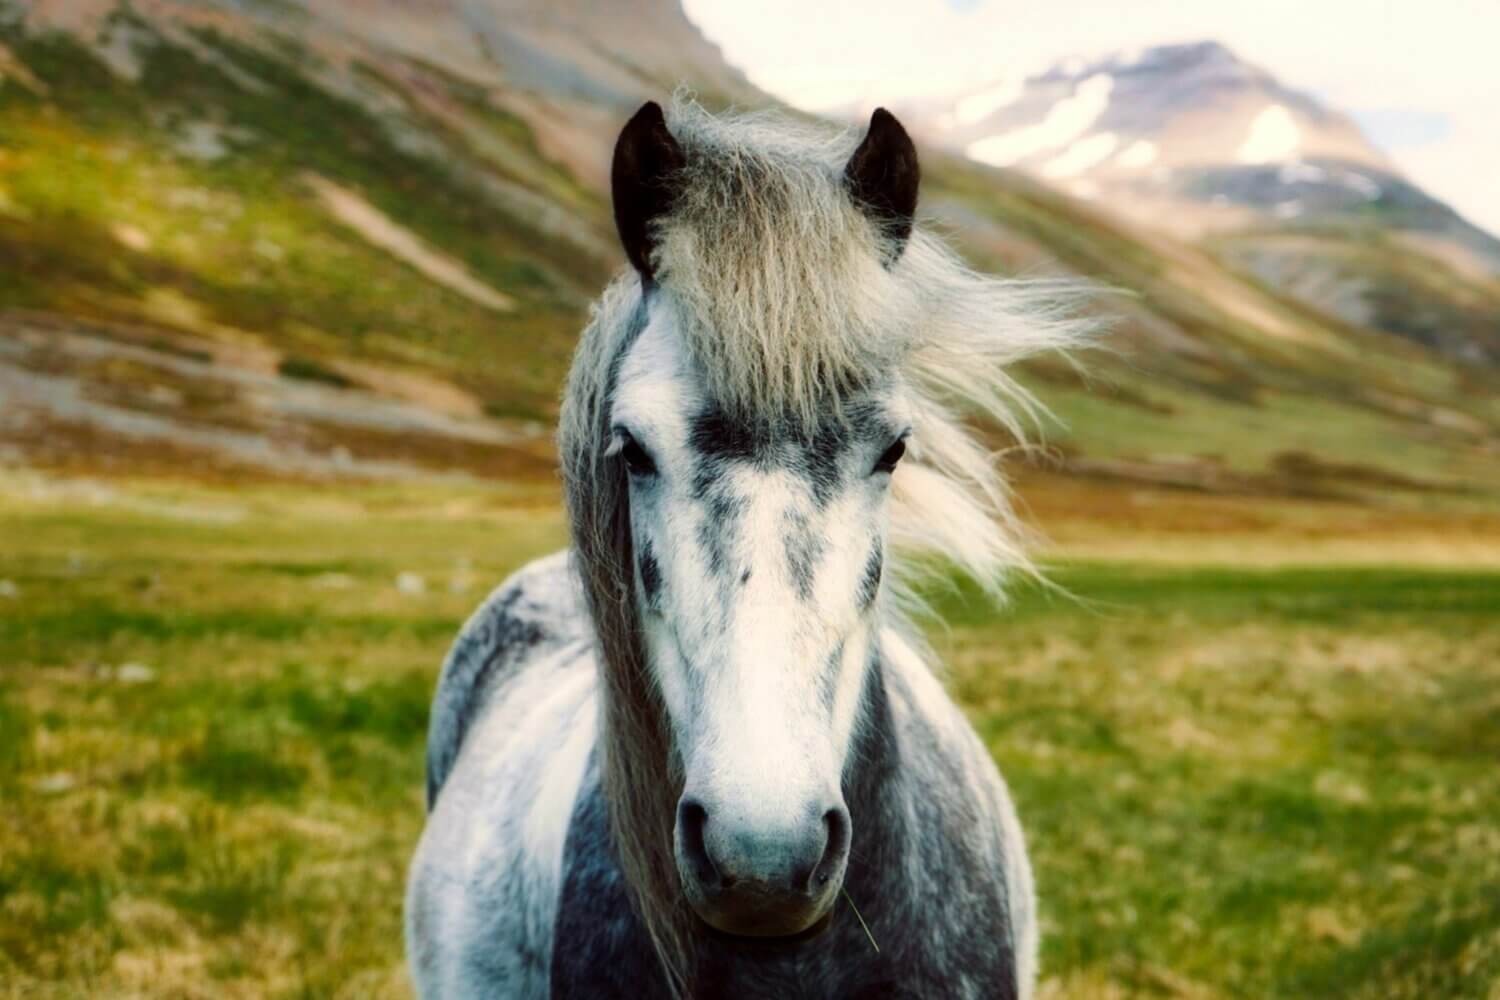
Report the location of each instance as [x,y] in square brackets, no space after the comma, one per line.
[1193,140]
[1221,140]
[377,223]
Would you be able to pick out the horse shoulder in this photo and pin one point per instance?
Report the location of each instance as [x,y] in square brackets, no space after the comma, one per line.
[957,771]
[519,724]
[537,608]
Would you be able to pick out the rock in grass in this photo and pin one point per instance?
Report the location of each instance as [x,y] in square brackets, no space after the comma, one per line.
[55,784]
[134,673]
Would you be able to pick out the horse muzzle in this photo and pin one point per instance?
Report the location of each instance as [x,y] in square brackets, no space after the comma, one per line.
[757,878]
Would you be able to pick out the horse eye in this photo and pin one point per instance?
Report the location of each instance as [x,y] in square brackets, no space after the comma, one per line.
[637,461]
[888,458]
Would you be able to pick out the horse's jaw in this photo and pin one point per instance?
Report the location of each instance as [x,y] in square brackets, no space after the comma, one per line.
[771,943]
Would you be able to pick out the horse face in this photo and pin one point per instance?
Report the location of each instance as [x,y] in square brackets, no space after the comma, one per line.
[759,554]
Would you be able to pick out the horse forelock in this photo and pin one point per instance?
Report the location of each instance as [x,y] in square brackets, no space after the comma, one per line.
[773,276]
[789,298]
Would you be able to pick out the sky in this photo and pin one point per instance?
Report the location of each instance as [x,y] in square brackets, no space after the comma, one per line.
[1422,77]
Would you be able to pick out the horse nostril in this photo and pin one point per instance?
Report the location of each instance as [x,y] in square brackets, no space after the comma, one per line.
[691,820]
[720,859]
[836,849]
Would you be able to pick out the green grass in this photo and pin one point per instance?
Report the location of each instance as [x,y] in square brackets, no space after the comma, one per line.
[238,822]
[1264,782]
[1236,782]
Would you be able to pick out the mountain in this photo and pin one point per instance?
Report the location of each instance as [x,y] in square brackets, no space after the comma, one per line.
[1138,115]
[1192,137]
[1196,141]
[358,239]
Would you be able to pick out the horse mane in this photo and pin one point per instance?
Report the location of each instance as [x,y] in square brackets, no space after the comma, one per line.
[786,294]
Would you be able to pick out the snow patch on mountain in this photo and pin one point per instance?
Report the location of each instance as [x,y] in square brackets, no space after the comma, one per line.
[1084,188]
[1307,173]
[1138,156]
[1082,155]
[1362,184]
[1065,121]
[977,107]
[1273,137]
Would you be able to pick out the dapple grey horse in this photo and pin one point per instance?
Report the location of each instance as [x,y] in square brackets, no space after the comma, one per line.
[703,752]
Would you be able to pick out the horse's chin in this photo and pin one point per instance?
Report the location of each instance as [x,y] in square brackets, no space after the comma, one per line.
[770,940]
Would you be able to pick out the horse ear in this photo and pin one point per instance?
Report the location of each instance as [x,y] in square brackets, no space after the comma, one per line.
[883,175]
[641,181]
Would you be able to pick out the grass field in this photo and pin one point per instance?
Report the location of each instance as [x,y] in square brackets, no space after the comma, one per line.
[1238,782]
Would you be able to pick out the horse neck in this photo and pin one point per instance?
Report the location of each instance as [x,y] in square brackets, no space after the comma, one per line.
[875,792]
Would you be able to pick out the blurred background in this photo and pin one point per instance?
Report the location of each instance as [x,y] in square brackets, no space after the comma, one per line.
[287,292]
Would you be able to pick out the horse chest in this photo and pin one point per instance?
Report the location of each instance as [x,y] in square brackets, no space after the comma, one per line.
[954,947]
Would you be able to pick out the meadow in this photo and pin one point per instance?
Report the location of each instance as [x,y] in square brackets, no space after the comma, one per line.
[1249,765]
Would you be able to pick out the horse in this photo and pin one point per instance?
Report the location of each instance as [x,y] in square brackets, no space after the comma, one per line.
[704,752]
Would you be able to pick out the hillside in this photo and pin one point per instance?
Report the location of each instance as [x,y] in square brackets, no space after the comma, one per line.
[1195,141]
[322,239]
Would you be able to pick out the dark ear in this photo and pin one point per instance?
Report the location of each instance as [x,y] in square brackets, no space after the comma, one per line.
[883,175]
[646,158]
